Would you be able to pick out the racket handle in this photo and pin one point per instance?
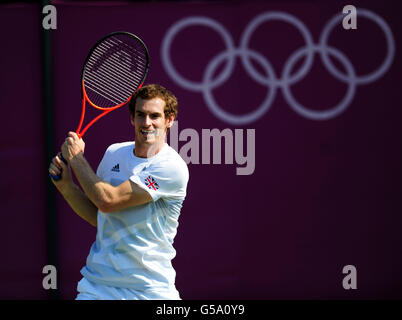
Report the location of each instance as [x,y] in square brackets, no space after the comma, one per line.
[58,177]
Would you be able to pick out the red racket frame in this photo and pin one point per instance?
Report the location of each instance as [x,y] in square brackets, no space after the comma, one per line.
[105,110]
[85,98]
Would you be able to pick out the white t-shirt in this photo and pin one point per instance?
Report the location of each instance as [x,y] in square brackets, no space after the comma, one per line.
[134,246]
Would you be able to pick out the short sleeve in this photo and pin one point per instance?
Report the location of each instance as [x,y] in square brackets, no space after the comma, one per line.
[101,167]
[100,171]
[165,179]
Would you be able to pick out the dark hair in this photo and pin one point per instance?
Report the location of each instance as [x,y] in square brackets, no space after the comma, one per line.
[152,91]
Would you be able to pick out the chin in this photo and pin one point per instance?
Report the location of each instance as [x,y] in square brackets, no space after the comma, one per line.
[146,141]
[149,142]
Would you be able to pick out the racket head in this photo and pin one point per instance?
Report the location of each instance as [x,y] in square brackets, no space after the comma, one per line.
[114,69]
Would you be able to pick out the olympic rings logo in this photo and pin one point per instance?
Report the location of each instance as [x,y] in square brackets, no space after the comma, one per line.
[271,80]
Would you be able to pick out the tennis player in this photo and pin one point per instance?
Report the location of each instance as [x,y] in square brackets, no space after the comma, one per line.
[134,199]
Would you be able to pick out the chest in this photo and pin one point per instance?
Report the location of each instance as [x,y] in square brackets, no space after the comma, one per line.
[115,171]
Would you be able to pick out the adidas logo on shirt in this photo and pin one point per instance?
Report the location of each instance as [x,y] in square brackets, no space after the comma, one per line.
[116,168]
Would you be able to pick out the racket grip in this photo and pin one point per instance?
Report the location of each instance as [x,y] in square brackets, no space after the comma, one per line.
[58,177]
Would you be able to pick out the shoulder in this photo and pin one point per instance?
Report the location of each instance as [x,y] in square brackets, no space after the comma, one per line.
[119,147]
[171,160]
[171,164]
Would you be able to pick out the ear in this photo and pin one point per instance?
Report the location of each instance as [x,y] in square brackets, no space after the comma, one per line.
[132,118]
[169,121]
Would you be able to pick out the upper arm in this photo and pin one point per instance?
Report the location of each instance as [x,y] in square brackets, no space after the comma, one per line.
[127,194]
[163,180]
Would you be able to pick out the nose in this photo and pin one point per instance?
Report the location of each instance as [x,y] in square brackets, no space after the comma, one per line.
[147,121]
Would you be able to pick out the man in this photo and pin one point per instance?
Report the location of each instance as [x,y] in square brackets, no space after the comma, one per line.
[134,199]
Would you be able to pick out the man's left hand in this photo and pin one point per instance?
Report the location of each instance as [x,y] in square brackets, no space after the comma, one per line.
[73,146]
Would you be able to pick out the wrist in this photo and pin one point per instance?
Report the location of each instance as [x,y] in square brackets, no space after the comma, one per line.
[77,159]
[66,187]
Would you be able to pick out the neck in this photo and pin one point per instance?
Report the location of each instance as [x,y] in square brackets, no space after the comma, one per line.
[147,150]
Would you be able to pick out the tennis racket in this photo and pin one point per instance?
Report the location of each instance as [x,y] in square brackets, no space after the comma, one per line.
[114,69]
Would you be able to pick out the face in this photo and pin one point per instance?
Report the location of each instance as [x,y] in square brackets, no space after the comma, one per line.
[150,122]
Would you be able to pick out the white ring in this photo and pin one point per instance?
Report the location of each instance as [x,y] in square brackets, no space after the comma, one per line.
[368,78]
[270,79]
[321,114]
[276,15]
[171,70]
[229,117]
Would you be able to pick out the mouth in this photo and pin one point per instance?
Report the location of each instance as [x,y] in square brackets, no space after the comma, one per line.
[147,132]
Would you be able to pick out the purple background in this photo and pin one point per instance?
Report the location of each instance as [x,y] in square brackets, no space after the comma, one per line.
[324,194]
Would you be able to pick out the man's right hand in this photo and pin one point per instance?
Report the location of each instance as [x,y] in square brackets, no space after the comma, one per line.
[56,167]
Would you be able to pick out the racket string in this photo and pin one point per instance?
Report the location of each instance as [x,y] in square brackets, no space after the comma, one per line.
[120,85]
[98,101]
[139,53]
[114,70]
[119,64]
[139,60]
[126,80]
[117,93]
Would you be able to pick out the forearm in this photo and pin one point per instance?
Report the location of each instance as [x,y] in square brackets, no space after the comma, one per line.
[80,203]
[98,191]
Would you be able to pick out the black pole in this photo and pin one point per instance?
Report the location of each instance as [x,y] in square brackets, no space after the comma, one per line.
[51,209]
